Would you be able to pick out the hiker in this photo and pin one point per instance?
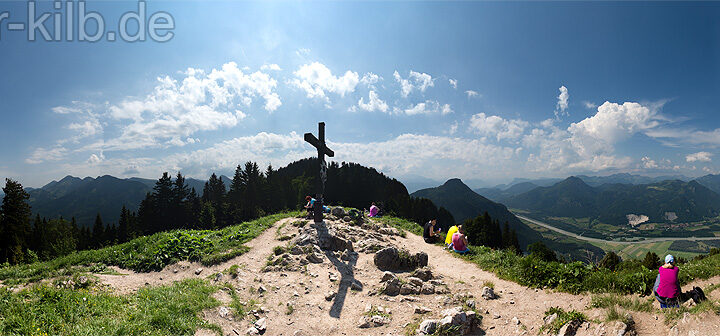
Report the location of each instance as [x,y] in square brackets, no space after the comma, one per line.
[666,286]
[373,210]
[429,233]
[459,241]
[449,236]
[310,205]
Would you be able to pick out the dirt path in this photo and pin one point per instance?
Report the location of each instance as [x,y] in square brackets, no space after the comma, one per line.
[294,303]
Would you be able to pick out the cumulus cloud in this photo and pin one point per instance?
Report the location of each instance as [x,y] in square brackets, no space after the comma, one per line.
[374,103]
[87,128]
[497,127]
[316,79]
[369,79]
[699,157]
[649,163]
[273,67]
[95,159]
[562,103]
[416,80]
[471,93]
[453,83]
[427,107]
[40,155]
[589,105]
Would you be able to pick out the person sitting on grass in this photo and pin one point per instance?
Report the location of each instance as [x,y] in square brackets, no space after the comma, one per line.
[459,241]
[429,233]
[449,236]
[666,287]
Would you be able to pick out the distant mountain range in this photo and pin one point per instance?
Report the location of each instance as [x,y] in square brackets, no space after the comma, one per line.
[670,200]
[464,204]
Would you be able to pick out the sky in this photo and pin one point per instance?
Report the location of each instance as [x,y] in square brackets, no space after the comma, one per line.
[483,91]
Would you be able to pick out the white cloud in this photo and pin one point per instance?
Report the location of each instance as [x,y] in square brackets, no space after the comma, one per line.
[87,128]
[649,163]
[369,79]
[453,128]
[471,93]
[273,67]
[453,83]
[40,155]
[416,80]
[699,157]
[497,127]
[562,103]
[374,103]
[427,107]
[95,159]
[316,79]
[673,137]
[589,105]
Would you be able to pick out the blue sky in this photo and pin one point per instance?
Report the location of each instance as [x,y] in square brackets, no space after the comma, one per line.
[476,90]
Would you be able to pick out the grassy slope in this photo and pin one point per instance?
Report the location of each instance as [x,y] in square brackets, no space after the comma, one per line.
[46,309]
[149,253]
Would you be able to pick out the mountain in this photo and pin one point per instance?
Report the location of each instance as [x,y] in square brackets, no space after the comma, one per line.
[416,182]
[710,181]
[464,204]
[85,198]
[625,178]
[499,195]
[611,203]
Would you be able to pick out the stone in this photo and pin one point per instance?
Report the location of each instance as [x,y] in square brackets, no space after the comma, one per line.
[389,231]
[422,310]
[338,212]
[427,327]
[333,277]
[515,321]
[415,281]
[409,289]
[423,274]
[391,287]
[223,312]
[391,259]
[296,250]
[387,276]
[548,320]
[568,329]
[427,289]
[356,285]
[253,331]
[198,271]
[373,321]
[261,325]
[261,289]
[347,219]
[470,303]
[435,282]
[315,258]
[488,293]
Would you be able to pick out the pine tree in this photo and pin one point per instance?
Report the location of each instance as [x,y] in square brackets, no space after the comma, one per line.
[98,232]
[14,223]
[123,225]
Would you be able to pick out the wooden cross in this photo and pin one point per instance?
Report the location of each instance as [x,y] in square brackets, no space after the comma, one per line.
[322,150]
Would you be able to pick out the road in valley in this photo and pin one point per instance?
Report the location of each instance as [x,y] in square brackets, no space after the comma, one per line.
[597,240]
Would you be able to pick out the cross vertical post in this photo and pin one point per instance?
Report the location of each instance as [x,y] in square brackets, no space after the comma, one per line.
[322,151]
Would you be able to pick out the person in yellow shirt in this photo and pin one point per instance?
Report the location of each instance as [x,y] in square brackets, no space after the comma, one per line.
[448,239]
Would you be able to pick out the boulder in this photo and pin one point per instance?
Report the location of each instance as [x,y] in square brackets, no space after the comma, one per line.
[338,212]
[315,258]
[427,289]
[415,281]
[409,289]
[392,259]
[427,327]
[387,276]
[423,274]
[488,293]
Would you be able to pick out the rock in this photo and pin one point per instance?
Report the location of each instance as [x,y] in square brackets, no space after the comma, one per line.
[470,303]
[389,231]
[356,285]
[568,329]
[346,219]
[488,293]
[427,327]
[409,289]
[338,212]
[330,295]
[515,321]
[387,276]
[315,258]
[373,321]
[333,277]
[223,312]
[198,271]
[298,333]
[261,289]
[218,277]
[82,280]
[296,250]
[415,281]
[253,331]
[457,321]
[391,287]
[261,325]
[617,328]
[423,274]
[391,259]
[437,282]
[548,320]
[422,310]
[175,270]
[427,289]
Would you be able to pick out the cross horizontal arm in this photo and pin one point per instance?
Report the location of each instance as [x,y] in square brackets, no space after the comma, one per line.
[309,137]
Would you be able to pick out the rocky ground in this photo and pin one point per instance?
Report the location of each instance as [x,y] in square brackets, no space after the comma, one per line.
[350,277]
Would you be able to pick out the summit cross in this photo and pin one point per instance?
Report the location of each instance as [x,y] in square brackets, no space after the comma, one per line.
[322,150]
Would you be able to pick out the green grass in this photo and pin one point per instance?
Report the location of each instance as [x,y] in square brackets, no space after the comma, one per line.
[167,310]
[613,300]
[563,318]
[150,253]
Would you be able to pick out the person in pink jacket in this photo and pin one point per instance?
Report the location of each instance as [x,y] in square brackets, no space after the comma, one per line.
[373,210]
[667,288]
